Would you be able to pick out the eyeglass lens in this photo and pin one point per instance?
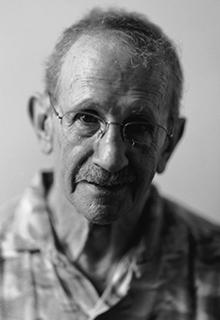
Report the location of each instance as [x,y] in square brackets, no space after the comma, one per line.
[84,125]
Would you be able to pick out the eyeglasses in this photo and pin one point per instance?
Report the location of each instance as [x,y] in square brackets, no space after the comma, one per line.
[82,125]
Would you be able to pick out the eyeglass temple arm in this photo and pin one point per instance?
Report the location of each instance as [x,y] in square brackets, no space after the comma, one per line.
[55,111]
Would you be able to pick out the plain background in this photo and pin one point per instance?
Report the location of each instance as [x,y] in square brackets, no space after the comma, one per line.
[28,31]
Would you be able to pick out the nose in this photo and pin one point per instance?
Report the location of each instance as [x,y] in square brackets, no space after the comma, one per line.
[110,150]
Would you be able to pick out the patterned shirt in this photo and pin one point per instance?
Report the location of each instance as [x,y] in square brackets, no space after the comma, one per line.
[173,272]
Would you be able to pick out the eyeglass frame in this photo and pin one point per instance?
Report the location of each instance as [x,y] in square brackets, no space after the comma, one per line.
[107,123]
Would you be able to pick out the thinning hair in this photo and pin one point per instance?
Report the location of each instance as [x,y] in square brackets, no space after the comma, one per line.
[146,41]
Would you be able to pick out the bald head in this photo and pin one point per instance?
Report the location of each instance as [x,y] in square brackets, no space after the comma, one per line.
[145,44]
[96,63]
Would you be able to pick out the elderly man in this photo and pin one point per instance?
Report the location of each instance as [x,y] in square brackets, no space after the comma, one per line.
[94,239]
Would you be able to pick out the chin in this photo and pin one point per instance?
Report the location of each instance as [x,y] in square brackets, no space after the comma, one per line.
[102,216]
[99,213]
[100,205]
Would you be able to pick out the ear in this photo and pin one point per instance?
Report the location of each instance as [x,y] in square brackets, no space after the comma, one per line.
[171,144]
[40,115]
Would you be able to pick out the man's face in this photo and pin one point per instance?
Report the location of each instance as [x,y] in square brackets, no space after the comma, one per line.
[105,178]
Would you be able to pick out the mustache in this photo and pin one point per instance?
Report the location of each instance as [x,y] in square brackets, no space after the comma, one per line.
[103,178]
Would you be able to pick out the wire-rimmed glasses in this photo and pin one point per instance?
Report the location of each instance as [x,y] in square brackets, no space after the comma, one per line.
[84,124]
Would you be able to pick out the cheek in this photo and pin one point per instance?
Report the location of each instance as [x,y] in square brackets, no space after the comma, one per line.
[145,166]
[66,162]
[69,160]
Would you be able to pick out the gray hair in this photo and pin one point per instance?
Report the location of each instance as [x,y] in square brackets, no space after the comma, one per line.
[145,40]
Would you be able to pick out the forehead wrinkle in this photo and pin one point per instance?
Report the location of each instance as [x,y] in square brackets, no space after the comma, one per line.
[149,97]
[149,84]
[93,58]
[153,93]
[103,89]
[152,90]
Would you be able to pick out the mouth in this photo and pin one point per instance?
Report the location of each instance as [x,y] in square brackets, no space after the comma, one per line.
[104,181]
[103,189]
[103,186]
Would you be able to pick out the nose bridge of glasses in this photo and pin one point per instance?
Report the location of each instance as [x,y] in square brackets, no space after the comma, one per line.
[106,126]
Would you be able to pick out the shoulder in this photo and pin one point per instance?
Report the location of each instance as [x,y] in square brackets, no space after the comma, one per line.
[190,254]
[198,232]
[199,226]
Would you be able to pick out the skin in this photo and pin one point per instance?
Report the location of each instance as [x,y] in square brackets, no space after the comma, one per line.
[106,78]
[98,75]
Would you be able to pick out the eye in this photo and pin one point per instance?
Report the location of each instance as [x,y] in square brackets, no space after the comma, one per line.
[86,124]
[143,128]
[80,118]
[82,124]
[87,118]
[138,129]
[140,132]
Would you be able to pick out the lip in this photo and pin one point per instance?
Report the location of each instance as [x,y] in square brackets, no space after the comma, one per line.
[94,187]
[114,187]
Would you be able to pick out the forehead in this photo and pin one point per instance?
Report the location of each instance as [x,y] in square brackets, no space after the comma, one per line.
[101,67]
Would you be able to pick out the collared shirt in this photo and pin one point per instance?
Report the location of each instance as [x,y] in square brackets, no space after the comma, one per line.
[172,273]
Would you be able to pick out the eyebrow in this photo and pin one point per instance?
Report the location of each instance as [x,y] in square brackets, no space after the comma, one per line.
[85,105]
[139,109]
[142,110]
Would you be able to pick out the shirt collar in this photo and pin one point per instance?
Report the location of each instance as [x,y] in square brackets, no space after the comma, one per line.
[31,228]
